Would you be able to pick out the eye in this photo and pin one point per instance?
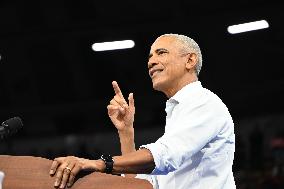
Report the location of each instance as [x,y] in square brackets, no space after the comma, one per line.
[161,52]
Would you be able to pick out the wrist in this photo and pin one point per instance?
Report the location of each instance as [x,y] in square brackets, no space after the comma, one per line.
[126,137]
[126,132]
[99,165]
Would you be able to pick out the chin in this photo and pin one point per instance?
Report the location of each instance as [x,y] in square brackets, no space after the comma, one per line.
[158,86]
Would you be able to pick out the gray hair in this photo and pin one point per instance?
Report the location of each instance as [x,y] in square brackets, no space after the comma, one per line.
[189,45]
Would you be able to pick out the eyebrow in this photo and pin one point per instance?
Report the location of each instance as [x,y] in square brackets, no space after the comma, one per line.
[157,51]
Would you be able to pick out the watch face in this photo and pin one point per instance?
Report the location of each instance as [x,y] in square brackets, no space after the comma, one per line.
[107,158]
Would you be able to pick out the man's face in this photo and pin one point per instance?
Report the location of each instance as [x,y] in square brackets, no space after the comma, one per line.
[167,64]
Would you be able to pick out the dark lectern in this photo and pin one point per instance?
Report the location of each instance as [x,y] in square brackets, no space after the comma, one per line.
[27,172]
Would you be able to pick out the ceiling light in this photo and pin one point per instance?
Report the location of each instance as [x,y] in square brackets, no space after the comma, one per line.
[113,45]
[250,26]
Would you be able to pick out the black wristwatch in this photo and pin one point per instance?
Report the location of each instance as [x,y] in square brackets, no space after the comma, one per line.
[108,162]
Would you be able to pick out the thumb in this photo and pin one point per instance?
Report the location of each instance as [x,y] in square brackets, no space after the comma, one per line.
[112,111]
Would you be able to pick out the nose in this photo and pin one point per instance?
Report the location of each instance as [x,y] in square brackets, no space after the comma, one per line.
[151,63]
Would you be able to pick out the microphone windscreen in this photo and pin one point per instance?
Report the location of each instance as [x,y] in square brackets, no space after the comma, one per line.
[13,124]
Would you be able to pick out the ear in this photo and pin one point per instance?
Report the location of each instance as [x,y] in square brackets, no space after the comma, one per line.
[191,61]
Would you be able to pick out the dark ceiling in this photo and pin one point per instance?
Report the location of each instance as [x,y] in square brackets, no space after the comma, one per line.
[49,73]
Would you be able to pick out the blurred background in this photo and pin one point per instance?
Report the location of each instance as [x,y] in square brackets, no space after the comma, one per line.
[51,77]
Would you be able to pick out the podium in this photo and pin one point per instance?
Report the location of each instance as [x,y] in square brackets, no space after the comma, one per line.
[27,172]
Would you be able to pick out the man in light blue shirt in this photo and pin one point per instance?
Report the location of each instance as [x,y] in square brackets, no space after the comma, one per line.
[197,148]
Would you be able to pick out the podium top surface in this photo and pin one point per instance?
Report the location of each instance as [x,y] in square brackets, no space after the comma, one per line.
[28,172]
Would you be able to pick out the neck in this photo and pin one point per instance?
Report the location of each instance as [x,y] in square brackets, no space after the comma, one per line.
[179,85]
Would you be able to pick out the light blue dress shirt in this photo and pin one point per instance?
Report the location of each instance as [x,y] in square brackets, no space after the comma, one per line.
[197,148]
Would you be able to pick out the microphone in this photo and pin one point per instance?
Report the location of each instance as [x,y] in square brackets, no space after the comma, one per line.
[10,126]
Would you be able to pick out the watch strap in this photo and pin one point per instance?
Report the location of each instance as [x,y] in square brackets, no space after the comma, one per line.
[108,160]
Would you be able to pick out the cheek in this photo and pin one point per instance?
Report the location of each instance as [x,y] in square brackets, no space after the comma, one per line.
[173,68]
[175,71]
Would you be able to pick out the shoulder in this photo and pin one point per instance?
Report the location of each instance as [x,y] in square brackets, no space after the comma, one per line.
[206,103]
[214,99]
[203,97]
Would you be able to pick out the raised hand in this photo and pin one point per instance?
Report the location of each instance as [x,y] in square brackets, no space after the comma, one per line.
[120,112]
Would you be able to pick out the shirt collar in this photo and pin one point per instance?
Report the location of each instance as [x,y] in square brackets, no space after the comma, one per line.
[183,93]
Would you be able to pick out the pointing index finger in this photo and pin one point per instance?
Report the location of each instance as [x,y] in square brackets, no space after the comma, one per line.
[117,89]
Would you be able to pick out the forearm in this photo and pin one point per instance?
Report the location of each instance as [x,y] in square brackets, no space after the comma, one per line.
[138,162]
[127,144]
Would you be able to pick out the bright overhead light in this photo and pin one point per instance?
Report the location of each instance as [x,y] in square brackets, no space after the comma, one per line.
[250,26]
[113,45]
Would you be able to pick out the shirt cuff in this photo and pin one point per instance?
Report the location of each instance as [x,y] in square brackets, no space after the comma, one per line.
[157,152]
